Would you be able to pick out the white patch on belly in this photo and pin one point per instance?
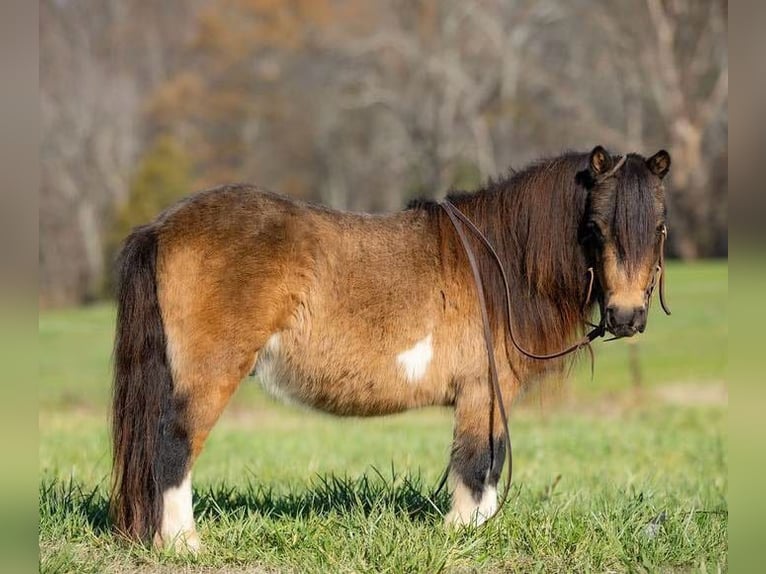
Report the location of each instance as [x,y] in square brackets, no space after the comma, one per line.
[178,517]
[414,362]
[272,345]
[268,367]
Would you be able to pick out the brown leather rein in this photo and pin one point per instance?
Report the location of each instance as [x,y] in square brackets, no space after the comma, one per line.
[457,218]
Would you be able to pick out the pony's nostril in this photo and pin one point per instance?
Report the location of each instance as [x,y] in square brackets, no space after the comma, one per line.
[639,318]
[611,311]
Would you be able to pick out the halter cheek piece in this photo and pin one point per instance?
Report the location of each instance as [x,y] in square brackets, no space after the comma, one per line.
[659,274]
[457,218]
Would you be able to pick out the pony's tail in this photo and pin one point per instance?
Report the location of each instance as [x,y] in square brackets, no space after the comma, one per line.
[142,391]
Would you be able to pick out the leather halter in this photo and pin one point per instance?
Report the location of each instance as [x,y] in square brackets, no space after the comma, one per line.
[659,273]
[456,218]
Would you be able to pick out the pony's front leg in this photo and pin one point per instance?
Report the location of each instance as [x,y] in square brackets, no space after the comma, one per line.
[478,453]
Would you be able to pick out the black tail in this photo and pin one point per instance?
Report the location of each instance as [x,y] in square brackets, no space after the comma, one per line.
[142,403]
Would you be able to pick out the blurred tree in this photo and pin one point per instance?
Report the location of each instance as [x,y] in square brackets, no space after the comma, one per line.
[643,76]
[690,84]
[163,177]
[363,104]
[244,109]
[438,77]
[99,59]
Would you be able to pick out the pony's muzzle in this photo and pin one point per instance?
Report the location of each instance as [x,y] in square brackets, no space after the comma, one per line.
[625,321]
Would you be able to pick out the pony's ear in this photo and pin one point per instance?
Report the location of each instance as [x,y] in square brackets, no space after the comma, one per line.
[659,163]
[600,161]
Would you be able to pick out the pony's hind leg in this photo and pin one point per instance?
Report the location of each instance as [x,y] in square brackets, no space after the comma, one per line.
[478,454]
[203,388]
[221,300]
[175,368]
[211,349]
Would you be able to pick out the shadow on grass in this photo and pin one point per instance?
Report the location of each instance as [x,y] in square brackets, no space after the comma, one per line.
[326,494]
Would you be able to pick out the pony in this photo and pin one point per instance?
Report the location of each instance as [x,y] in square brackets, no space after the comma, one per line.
[358,314]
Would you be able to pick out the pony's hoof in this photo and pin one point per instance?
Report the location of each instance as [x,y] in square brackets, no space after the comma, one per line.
[467,512]
[456,519]
[182,543]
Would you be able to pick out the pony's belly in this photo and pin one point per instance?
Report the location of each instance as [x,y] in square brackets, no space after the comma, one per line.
[298,374]
[274,374]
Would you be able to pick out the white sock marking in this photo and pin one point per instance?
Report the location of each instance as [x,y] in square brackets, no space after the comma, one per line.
[487,505]
[414,362]
[465,511]
[178,516]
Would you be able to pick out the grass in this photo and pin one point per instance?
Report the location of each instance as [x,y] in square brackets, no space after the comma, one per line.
[607,477]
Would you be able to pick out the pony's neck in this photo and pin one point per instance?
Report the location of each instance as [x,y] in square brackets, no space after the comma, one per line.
[532,219]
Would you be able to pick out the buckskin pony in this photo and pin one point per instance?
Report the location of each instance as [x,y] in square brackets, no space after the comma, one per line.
[363,315]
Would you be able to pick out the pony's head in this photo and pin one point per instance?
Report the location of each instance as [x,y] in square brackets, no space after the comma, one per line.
[623,233]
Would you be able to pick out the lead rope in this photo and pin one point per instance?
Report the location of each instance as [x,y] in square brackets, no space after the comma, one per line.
[659,275]
[661,270]
[456,216]
[488,342]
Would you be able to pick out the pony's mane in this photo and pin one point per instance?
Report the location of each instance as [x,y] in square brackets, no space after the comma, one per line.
[532,219]
[633,222]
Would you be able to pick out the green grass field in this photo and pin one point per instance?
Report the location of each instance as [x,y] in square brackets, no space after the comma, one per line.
[612,474]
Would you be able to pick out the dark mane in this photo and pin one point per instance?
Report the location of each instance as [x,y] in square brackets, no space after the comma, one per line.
[532,218]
